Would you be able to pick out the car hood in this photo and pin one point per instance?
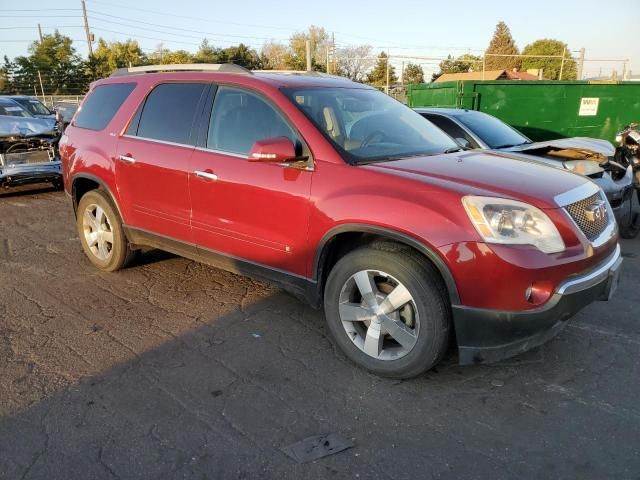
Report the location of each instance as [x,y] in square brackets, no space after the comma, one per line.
[487,173]
[26,127]
[590,147]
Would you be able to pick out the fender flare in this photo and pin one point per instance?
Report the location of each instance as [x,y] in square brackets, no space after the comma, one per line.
[427,251]
[102,185]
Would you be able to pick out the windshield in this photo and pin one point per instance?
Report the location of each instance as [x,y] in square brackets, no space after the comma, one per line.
[34,106]
[13,109]
[493,132]
[366,125]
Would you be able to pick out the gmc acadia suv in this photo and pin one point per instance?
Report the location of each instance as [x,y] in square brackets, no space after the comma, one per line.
[344,197]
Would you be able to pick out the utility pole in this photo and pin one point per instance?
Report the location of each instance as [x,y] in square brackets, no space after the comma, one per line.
[40,33]
[86,27]
[387,82]
[307,45]
[580,63]
[564,52]
[484,59]
[41,87]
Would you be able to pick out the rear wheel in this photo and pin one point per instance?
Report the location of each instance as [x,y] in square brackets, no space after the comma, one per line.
[387,311]
[100,231]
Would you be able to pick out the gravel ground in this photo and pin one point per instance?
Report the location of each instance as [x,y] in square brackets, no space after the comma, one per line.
[172,369]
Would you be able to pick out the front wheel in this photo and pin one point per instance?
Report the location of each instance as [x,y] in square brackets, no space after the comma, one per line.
[387,310]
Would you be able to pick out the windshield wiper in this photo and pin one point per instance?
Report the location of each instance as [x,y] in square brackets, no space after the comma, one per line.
[454,149]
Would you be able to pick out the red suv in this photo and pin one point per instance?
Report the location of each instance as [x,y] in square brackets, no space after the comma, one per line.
[344,197]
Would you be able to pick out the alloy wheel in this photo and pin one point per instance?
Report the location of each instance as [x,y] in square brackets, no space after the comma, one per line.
[379,315]
[98,232]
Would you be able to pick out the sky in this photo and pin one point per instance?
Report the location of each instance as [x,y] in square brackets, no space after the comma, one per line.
[607,30]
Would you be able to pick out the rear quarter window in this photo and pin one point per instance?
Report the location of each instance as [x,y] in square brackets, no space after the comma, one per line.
[101,105]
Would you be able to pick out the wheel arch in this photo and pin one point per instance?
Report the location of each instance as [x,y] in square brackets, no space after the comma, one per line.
[85,182]
[332,244]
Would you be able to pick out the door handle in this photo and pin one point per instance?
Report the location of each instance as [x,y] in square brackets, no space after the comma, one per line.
[206,175]
[126,158]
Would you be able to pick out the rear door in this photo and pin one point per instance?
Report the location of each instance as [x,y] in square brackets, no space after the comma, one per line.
[249,210]
[152,161]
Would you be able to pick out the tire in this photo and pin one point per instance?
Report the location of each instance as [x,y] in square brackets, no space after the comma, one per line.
[425,319]
[111,251]
[630,223]
[57,185]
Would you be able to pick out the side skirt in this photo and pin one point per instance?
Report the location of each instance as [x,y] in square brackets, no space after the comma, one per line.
[303,288]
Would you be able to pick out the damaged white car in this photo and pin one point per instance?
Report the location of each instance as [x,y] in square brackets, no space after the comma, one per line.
[591,157]
[28,147]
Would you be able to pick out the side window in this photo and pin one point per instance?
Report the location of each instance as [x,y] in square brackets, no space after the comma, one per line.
[169,112]
[101,105]
[452,129]
[240,118]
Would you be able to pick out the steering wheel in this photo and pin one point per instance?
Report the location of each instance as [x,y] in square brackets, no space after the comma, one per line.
[377,135]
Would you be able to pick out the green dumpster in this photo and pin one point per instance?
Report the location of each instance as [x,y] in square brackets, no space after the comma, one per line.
[542,110]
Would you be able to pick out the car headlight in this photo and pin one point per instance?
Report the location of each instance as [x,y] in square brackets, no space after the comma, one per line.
[510,222]
[583,167]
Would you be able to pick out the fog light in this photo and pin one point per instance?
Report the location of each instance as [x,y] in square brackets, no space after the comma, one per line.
[539,292]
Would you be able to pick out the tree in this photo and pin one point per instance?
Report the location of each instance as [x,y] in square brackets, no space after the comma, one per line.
[54,60]
[462,64]
[108,57]
[241,55]
[550,66]
[378,75]
[296,58]
[504,44]
[207,53]
[274,56]
[353,62]
[413,74]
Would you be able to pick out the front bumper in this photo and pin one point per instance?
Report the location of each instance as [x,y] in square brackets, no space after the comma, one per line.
[490,335]
[14,175]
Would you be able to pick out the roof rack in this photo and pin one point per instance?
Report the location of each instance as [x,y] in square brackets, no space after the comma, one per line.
[310,73]
[183,67]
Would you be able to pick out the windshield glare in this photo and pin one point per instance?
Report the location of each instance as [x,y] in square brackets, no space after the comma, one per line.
[34,106]
[493,132]
[366,125]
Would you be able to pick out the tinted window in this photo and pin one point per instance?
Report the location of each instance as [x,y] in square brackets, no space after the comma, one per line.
[451,128]
[101,105]
[366,125]
[492,131]
[240,118]
[169,112]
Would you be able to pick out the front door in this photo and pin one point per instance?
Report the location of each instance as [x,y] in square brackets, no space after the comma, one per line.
[252,211]
[152,161]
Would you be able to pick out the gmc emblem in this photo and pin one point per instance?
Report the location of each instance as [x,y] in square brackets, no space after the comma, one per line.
[596,211]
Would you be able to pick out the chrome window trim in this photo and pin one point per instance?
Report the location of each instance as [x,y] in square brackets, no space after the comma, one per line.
[576,194]
[163,142]
[587,280]
[222,152]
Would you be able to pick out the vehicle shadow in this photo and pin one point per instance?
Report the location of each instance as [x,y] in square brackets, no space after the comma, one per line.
[178,370]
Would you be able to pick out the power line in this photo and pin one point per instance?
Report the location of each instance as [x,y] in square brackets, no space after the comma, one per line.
[94,12]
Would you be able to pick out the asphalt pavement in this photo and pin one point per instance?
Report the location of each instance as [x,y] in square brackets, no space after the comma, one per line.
[171,369]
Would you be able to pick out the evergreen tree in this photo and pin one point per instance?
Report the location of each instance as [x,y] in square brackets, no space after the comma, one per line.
[378,75]
[502,43]
[413,74]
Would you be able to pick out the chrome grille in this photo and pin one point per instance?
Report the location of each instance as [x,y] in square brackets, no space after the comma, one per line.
[591,225]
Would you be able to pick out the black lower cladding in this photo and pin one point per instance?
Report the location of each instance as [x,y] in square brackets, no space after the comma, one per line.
[486,336]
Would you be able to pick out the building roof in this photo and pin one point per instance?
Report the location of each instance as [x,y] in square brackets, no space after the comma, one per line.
[488,75]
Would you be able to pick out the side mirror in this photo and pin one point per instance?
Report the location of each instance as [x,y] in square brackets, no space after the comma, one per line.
[273,150]
[463,142]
